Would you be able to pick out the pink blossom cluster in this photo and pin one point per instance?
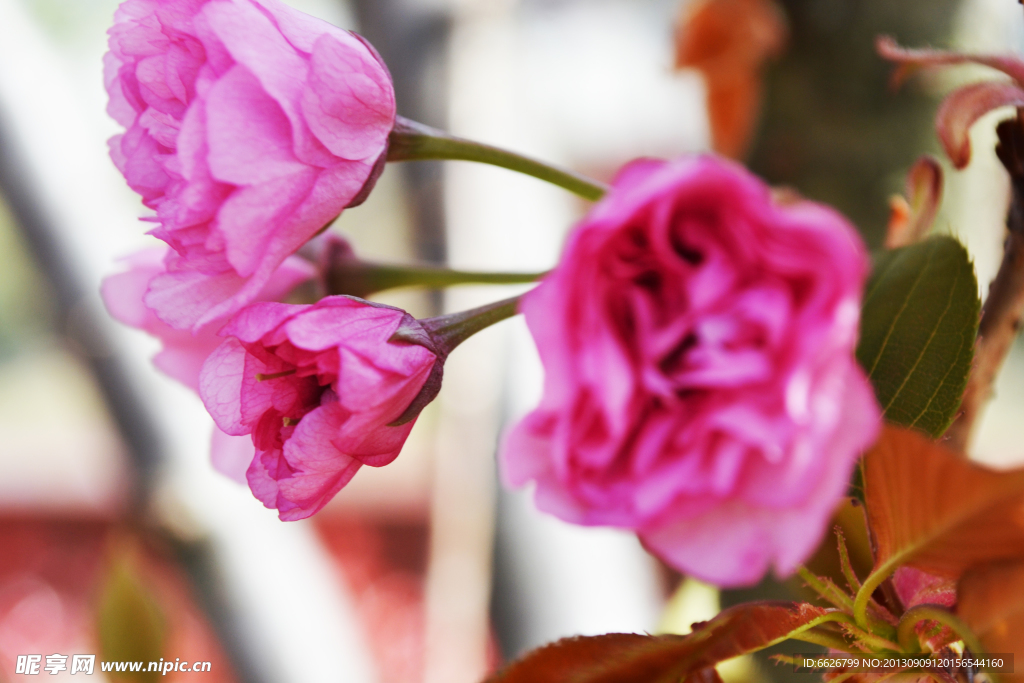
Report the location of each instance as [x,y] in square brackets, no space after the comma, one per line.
[697,335]
[249,127]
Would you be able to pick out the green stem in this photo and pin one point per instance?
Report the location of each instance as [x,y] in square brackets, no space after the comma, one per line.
[825,640]
[441,335]
[411,141]
[807,635]
[361,278]
[826,589]
[448,331]
[906,632]
[872,640]
[867,589]
[844,561]
[846,675]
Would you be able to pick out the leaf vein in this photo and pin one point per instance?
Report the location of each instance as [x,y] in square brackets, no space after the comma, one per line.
[931,338]
[906,302]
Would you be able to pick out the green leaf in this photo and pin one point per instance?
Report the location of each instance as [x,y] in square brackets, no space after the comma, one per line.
[131,624]
[631,658]
[918,327]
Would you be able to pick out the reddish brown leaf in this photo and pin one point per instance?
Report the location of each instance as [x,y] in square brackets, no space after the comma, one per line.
[912,220]
[931,509]
[991,602]
[708,675]
[630,658]
[728,41]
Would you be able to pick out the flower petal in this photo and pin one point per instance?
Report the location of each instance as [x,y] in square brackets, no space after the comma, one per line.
[912,221]
[966,105]
[220,386]
[321,470]
[349,104]
[231,455]
[912,58]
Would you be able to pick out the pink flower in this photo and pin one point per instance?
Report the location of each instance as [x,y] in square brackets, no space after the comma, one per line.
[700,388]
[321,389]
[964,105]
[249,127]
[183,352]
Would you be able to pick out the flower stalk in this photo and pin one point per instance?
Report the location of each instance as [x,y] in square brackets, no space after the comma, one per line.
[362,278]
[448,331]
[906,632]
[411,141]
[441,335]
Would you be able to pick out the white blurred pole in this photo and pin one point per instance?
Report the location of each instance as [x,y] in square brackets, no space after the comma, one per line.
[565,579]
[462,515]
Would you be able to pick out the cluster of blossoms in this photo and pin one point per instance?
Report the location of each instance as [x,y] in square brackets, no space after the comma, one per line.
[697,335]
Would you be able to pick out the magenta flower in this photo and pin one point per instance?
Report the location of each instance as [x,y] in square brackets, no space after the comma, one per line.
[321,389]
[701,388]
[249,127]
[183,352]
[965,105]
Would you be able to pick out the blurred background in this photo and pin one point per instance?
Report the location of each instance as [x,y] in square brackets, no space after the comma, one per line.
[118,539]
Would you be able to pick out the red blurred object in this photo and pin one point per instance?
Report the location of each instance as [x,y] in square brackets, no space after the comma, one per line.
[383,565]
[51,575]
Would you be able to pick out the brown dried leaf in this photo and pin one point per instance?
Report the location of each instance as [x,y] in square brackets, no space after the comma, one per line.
[933,510]
[728,41]
[630,658]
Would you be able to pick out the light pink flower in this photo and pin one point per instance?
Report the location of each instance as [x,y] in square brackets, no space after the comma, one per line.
[967,104]
[184,352]
[701,388]
[320,388]
[249,127]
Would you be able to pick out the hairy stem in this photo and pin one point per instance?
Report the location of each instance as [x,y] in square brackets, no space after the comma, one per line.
[844,561]
[826,589]
[825,640]
[863,597]
[906,632]
[411,141]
